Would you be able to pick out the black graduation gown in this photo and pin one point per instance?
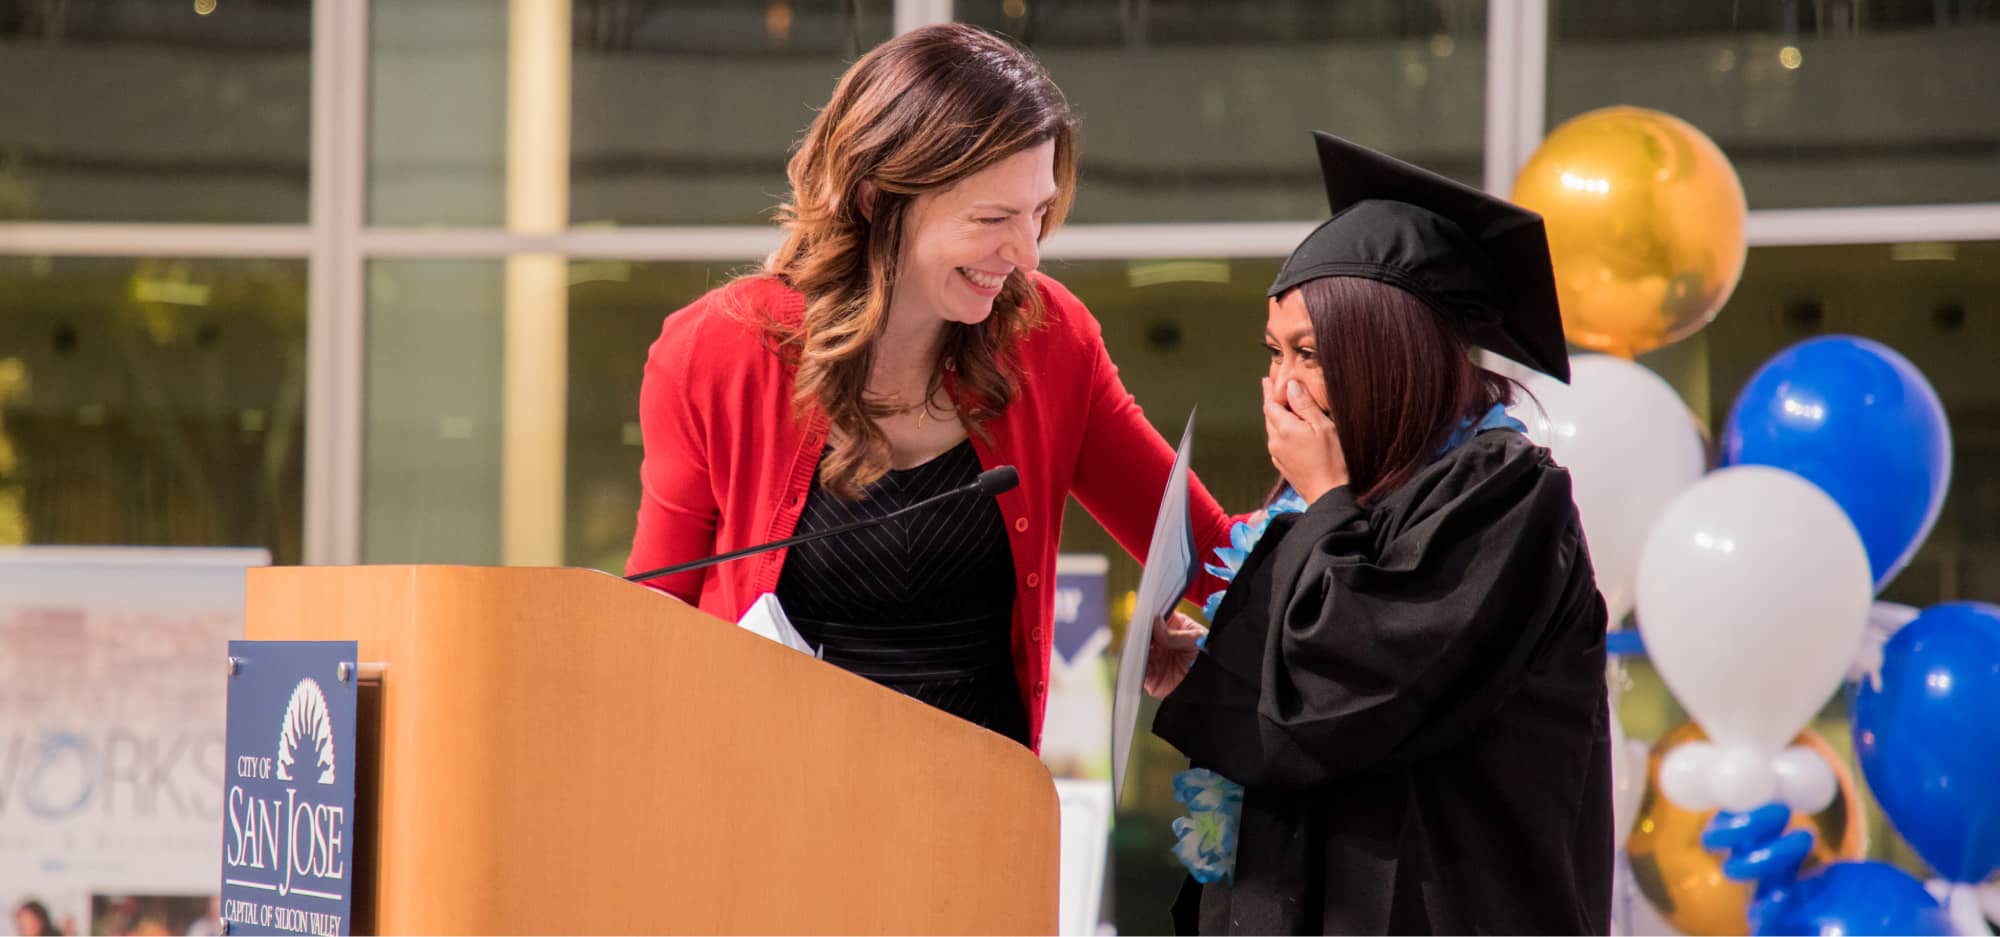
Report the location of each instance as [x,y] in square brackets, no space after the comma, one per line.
[1412,695]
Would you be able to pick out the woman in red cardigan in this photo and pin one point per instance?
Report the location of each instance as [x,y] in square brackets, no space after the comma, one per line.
[897,343]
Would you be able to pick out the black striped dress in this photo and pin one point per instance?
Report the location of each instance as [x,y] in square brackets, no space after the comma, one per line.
[922,604]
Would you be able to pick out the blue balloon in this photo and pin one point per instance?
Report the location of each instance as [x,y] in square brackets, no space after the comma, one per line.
[1851,898]
[1759,848]
[1860,421]
[1929,739]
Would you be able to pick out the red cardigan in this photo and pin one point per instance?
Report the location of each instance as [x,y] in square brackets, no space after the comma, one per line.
[727,466]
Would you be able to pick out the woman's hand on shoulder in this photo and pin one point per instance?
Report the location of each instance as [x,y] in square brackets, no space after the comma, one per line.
[1171,653]
[1303,444]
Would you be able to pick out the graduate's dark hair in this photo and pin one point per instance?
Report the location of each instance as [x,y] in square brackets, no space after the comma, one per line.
[1399,378]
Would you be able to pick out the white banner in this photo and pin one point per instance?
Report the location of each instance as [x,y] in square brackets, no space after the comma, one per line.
[112,682]
[1076,736]
[1086,841]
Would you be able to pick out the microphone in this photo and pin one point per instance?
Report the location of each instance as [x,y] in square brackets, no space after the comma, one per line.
[989,483]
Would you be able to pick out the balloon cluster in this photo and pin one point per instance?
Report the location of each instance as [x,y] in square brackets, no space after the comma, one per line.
[1753,585]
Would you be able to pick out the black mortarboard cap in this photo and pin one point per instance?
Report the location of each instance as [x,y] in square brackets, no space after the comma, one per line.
[1481,260]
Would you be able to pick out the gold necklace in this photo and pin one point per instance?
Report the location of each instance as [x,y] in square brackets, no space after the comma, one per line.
[923,410]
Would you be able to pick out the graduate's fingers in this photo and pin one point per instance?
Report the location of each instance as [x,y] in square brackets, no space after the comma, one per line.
[1283,430]
[1302,406]
[1188,627]
[1278,414]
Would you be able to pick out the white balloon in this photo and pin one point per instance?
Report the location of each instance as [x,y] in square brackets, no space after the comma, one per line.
[1753,593]
[1685,772]
[1627,785]
[1630,446]
[1742,779]
[1805,781]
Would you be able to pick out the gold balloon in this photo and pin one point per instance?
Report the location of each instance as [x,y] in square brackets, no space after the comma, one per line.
[1684,882]
[1645,220]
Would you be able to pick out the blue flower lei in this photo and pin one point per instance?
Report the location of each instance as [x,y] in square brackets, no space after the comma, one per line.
[1205,839]
[1243,537]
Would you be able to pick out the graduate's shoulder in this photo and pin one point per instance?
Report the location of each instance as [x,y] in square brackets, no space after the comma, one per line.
[1503,451]
[1498,471]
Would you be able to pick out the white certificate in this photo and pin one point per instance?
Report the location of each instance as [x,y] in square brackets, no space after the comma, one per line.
[1169,569]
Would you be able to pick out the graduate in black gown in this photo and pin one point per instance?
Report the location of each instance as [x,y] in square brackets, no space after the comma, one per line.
[1406,679]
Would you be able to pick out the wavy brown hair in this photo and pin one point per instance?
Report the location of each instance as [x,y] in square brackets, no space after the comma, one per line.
[917,114]
[1399,378]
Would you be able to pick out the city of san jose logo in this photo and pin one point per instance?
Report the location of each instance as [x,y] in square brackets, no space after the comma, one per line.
[306,719]
[279,836]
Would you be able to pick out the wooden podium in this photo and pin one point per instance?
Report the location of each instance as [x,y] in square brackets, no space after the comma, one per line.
[559,751]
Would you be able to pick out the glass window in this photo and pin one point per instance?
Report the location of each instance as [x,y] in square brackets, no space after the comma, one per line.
[615,311]
[437,112]
[436,386]
[1862,103]
[685,110]
[1198,110]
[153,402]
[139,110]
[681,111]
[431,444]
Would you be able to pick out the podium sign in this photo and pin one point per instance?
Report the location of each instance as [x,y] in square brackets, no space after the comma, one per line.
[288,814]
